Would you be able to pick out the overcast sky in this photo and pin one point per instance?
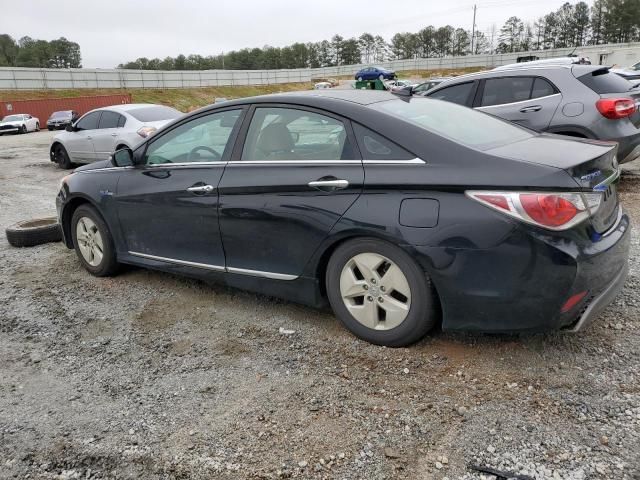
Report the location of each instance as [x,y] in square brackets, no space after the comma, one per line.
[114,31]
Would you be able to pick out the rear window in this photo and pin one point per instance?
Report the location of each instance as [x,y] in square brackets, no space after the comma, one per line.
[460,124]
[154,114]
[602,81]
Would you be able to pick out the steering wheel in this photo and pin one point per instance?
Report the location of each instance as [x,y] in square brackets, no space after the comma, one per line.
[215,154]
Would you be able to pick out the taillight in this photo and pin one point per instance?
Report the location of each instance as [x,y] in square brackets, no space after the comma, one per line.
[615,108]
[551,210]
[145,132]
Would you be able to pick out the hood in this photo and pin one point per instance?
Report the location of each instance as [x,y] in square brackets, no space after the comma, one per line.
[94,166]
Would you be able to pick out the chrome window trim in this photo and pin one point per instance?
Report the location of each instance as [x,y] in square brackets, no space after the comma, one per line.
[516,103]
[413,161]
[206,266]
[185,164]
[293,162]
[258,273]
[217,268]
[106,169]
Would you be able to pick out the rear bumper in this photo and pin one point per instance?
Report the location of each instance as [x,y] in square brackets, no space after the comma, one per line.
[521,284]
[628,148]
[599,303]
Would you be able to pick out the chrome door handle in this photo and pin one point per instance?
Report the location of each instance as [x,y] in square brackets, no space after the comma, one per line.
[201,189]
[329,185]
[88,137]
[535,108]
[114,134]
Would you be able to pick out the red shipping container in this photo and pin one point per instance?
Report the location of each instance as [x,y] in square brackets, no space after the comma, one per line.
[43,108]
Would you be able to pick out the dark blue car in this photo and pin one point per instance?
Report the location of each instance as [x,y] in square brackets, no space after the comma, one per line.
[373,73]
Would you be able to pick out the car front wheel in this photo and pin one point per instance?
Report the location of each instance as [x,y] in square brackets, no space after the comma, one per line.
[23,129]
[61,157]
[379,293]
[92,241]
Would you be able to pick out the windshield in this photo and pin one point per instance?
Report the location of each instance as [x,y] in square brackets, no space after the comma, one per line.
[461,124]
[12,118]
[61,115]
[154,114]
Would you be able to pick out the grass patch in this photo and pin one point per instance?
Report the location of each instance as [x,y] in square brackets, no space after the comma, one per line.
[184,99]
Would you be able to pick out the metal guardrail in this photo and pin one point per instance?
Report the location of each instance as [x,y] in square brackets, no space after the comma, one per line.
[42,79]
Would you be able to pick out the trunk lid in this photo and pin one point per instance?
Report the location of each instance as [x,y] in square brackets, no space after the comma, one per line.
[591,163]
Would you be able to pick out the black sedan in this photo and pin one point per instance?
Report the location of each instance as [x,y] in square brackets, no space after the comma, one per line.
[401,212]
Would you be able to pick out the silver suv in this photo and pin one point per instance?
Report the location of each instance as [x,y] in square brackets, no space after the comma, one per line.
[578,100]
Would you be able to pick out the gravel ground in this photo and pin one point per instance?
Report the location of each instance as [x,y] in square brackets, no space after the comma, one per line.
[147,375]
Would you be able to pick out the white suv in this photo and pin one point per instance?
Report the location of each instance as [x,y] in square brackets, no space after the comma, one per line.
[99,133]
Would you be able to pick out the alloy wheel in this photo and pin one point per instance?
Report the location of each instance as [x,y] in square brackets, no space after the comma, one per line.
[89,241]
[375,291]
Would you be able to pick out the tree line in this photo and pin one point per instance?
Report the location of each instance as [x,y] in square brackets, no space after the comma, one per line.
[30,52]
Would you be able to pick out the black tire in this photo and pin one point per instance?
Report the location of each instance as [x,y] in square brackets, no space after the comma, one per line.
[423,309]
[109,264]
[30,233]
[37,126]
[50,129]
[23,129]
[61,157]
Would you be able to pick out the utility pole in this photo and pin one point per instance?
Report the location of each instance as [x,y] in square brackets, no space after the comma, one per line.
[222,60]
[473,31]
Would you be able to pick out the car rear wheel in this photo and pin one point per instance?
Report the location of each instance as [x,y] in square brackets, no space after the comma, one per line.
[61,157]
[359,79]
[37,127]
[92,241]
[379,293]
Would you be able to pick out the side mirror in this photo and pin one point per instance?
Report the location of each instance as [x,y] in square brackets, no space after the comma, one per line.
[122,158]
[70,128]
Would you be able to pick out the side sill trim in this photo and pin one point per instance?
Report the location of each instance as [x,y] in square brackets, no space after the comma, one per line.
[258,273]
[217,268]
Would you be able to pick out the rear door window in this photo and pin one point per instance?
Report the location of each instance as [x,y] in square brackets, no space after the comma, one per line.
[109,119]
[455,93]
[499,91]
[291,134]
[602,82]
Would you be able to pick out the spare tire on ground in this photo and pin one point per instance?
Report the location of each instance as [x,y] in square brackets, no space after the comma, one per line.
[29,233]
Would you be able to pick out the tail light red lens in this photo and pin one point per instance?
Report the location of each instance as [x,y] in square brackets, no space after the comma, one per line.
[551,210]
[548,210]
[615,108]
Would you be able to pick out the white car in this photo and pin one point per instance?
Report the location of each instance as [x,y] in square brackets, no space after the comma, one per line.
[322,85]
[100,132]
[19,123]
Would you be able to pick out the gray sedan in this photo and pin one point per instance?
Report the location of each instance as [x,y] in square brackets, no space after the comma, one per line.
[99,133]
